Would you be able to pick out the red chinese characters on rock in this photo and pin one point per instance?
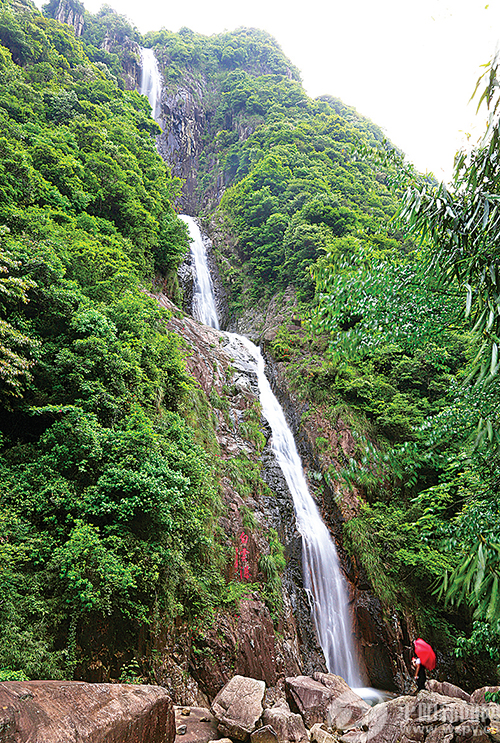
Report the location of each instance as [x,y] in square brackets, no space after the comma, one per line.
[241,564]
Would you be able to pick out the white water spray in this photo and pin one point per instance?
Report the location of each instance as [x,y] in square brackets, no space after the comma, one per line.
[151,81]
[323,578]
[203,308]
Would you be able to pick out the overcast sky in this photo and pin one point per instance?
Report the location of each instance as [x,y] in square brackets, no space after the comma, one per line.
[411,67]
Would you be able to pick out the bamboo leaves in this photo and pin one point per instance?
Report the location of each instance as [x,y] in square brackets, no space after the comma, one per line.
[476,581]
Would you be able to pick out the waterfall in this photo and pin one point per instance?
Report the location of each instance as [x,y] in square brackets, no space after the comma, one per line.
[323,578]
[151,81]
[203,308]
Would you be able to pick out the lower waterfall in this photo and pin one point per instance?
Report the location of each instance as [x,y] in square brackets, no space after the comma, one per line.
[322,576]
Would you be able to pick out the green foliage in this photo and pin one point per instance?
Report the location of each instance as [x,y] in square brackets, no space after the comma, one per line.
[248,519]
[483,639]
[308,190]
[235,591]
[250,426]
[107,503]
[296,182]
[462,224]
[131,673]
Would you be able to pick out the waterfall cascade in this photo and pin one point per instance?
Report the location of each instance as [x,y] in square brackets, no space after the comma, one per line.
[151,81]
[323,578]
[322,575]
[203,308]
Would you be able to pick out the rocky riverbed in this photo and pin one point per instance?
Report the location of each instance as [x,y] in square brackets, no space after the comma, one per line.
[319,708]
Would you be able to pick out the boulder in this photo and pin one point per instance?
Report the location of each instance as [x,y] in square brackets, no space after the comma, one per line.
[318,734]
[447,690]
[238,706]
[425,718]
[65,711]
[265,734]
[310,697]
[478,696]
[289,726]
[346,707]
[201,725]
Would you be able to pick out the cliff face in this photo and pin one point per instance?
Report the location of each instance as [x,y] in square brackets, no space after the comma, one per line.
[72,13]
[383,637]
[248,642]
[185,120]
[130,54]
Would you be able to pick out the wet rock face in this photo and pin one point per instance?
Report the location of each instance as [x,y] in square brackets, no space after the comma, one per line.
[279,513]
[244,644]
[184,122]
[56,711]
[243,641]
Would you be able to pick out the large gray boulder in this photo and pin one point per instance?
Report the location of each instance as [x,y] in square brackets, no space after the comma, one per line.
[325,698]
[289,727]
[425,718]
[346,707]
[310,697]
[447,689]
[70,711]
[238,706]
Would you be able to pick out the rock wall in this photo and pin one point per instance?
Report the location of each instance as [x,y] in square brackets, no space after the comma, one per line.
[185,119]
[71,13]
[129,52]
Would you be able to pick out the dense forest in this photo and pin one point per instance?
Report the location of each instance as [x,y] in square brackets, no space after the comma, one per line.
[109,498]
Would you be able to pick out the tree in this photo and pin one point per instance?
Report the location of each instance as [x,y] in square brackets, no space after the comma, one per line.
[16,348]
[463,223]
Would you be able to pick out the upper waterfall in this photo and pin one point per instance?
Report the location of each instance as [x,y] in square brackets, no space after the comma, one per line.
[151,81]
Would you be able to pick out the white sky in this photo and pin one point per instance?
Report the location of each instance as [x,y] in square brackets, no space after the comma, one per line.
[409,65]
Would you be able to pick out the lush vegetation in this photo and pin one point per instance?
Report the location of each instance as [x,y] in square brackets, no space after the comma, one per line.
[107,503]
[401,340]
